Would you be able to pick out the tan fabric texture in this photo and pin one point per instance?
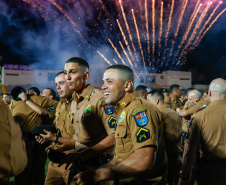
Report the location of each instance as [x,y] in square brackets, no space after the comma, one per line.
[130,135]
[13,156]
[91,118]
[26,116]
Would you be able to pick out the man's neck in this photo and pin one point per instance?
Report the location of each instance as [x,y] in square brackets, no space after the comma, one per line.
[162,105]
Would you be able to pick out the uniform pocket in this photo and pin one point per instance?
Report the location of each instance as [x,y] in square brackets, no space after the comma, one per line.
[123,139]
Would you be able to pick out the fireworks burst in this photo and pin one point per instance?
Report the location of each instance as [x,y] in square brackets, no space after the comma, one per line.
[173,28]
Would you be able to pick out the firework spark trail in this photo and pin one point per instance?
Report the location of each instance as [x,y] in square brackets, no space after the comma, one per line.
[125,53]
[124,37]
[127,26]
[146,18]
[207,29]
[115,61]
[196,28]
[69,18]
[193,13]
[104,58]
[153,30]
[206,23]
[128,29]
[168,29]
[188,29]
[160,33]
[116,51]
[138,37]
[178,27]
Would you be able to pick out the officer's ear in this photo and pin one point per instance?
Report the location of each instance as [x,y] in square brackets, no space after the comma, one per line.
[86,75]
[156,101]
[128,85]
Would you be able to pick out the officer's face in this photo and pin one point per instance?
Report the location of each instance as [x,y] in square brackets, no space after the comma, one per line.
[6,99]
[113,86]
[62,86]
[75,76]
[46,93]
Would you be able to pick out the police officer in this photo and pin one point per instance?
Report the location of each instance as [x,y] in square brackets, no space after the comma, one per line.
[93,120]
[138,137]
[207,133]
[13,156]
[193,104]
[175,94]
[142,90]
[28,111]
[172,132]
[59,175]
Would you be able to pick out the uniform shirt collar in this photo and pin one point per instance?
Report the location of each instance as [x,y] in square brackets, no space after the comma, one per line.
[217,102]
[127,99]
[85,94]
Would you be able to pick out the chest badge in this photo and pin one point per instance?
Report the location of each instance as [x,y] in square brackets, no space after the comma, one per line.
[121,116]
[88,110]
[108,109]
[140,117]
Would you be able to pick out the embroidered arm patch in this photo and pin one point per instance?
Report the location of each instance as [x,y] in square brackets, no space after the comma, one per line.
[143,135]
[140,117]
[112,122]
[107,108]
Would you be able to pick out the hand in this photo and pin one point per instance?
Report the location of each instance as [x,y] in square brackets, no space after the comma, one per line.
[69,158]
[41,140]
[85,178]
[23,96]
[48,136]
[50,147]
[178,110]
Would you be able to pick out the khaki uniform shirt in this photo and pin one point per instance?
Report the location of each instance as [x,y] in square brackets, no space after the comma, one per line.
[63,120]
[208,129]
[27,117]
[92,118]
[172,130]
[13,157]
[190,110]
[139,124]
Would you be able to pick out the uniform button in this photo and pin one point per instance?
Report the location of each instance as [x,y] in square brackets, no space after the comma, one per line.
[63,120]
[93,91]
[77,108]
[76,121]
[76,134]
[66,109]
[117,134]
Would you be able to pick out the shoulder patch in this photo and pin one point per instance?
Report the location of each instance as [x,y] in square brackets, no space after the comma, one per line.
[88,110]
[143,135]
[121,116]
[108,109]
[112,122]
[140,117]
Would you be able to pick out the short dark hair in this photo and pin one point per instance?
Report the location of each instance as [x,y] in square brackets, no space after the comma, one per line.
[16,91]
[127,71]
[34,90]
[81,62]
[173,87]
[53,93]
[159,95]
[61,72]
[141,87]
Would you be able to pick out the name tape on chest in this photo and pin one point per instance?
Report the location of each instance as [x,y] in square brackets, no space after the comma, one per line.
[140,117]
[142,135]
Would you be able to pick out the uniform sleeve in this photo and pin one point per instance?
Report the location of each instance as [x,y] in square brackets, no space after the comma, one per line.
[194,133]
[143,125]
[192,109]
[107,114]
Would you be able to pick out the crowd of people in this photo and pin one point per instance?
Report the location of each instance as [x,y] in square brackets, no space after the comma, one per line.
[118,135]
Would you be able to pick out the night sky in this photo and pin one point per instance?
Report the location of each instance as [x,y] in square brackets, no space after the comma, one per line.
[39,33]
